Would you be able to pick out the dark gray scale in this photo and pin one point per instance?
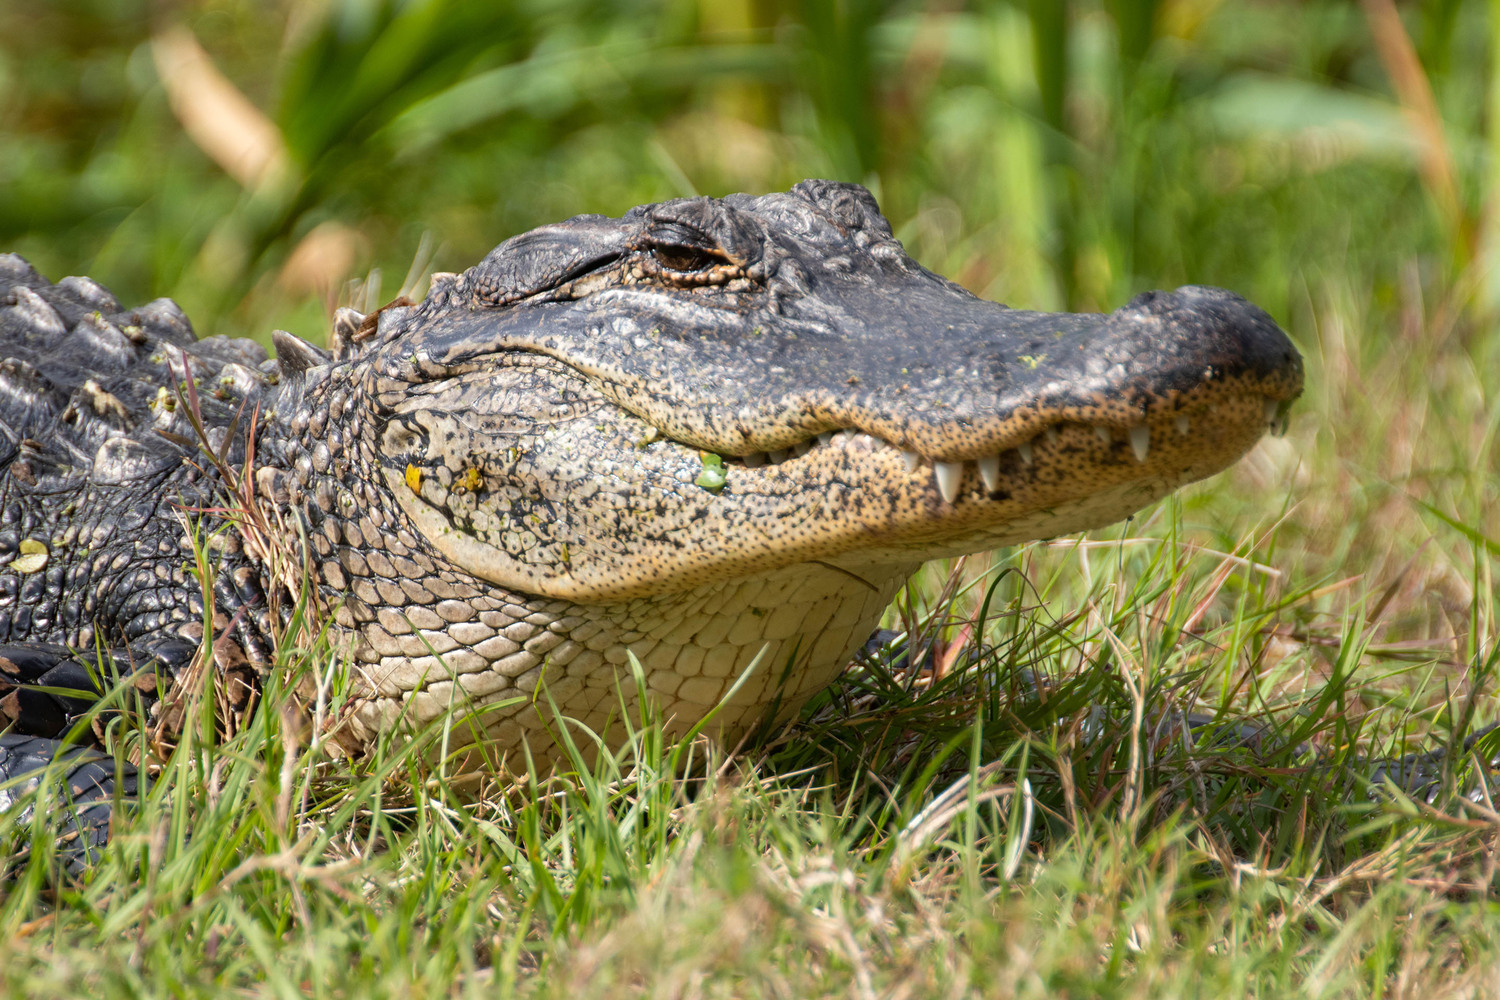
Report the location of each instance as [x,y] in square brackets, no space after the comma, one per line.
[29,402]
[91,782]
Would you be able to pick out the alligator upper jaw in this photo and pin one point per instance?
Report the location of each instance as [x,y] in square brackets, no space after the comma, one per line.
[915,362]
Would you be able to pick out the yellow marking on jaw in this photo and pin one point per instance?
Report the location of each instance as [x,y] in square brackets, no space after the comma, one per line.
[414,478]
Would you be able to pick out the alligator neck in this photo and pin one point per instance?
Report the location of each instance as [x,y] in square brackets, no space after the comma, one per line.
[468,642]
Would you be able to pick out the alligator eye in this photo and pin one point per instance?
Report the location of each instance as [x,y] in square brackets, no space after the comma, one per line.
[680,257]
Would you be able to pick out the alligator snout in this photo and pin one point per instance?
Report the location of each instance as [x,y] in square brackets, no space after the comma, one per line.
[1208,326]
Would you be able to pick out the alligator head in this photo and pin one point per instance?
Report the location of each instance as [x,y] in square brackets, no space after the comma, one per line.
[712,388]
[620,415]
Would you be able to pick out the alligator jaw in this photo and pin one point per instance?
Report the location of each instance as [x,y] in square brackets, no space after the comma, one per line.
[1034,489]
[572,420]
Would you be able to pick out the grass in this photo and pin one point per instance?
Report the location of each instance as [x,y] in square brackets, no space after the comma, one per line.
[1024,816]
[913,835]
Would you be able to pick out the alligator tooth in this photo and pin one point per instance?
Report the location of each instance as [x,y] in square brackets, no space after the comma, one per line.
[1024,450]
[778,456]
[1102,432]
[802,448]
[825,437]
[948,476]
[755,460]
[1051,435]
[1271,407]
[1140,441]
[989,468]
[1182,426]
[912,460]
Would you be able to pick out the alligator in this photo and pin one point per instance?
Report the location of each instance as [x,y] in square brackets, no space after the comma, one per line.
[714,436]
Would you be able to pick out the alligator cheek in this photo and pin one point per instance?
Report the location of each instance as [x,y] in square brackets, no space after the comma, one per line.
[586,506]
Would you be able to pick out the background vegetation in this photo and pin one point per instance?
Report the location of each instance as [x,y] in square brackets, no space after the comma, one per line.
[1335,161]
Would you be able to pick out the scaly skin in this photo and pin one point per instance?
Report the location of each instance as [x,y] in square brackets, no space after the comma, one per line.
[706,432]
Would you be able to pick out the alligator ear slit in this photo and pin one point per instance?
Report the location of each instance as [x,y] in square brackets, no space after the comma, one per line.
[296,355]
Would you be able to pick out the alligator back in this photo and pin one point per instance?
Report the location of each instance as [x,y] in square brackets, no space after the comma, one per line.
[101,482]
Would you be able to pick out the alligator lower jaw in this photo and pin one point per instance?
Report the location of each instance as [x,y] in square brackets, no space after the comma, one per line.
[1067,465]
[1069,477]
[951,478]
[1194,422]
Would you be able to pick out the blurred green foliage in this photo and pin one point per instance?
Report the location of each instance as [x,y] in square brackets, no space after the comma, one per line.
[1045,152]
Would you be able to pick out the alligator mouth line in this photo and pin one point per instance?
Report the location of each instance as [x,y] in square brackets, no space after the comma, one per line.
[948,475]
[1166,420]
